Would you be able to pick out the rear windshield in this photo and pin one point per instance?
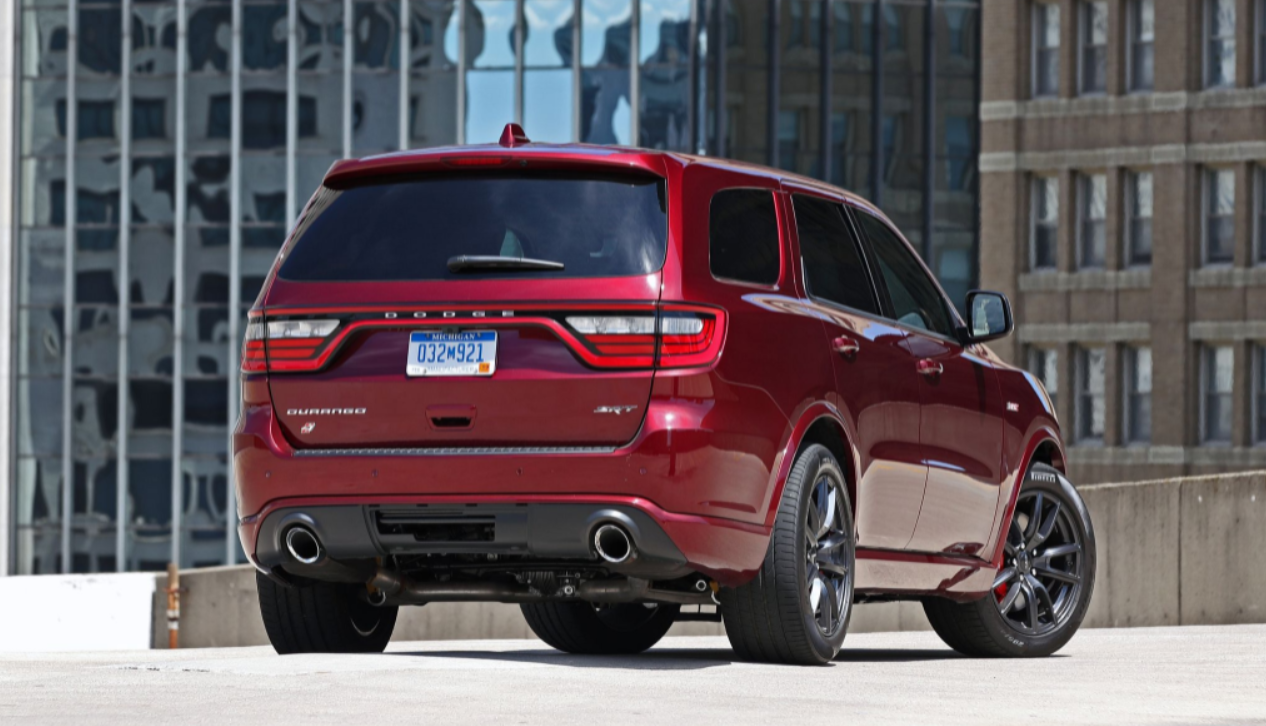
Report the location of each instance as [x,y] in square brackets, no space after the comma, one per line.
[596,226]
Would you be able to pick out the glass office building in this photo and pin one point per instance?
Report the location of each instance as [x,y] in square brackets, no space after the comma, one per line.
[162,148]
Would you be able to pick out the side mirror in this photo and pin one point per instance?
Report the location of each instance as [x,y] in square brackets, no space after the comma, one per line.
[988,317]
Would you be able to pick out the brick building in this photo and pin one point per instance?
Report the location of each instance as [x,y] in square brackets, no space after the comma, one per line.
[1123,209]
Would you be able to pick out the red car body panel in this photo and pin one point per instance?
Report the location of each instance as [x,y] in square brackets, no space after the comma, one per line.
[934,461]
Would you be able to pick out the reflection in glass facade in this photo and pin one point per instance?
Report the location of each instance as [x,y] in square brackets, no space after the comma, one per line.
[164,146]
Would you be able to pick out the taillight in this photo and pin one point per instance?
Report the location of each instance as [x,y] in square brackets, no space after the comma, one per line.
[689,336]
[684,337]
[287,345]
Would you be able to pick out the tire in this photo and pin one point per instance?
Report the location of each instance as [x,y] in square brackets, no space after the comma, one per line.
[1033,626]
[585,629]
[777,617]
[322,617]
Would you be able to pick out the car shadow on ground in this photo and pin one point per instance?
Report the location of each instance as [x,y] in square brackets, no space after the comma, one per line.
[663,659]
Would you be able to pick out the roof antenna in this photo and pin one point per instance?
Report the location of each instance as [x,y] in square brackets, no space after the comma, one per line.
[513,136]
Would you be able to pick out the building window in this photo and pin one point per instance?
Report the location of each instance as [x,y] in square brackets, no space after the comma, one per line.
[1138,218]
[1219,202]
[1094,46]
[1044,365]
[1217,368]
[1261,212]
[1092,214]
[788,138]
[1090,391]
[1045,222]
[1138,395]
[1219,24]
[1261,42]
[1142,31]
[1259,396]
[1045,49]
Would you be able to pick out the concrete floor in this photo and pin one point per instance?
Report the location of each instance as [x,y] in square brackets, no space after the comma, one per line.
[1189,675]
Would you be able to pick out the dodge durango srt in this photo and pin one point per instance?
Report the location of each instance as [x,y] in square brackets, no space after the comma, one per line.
[622,388]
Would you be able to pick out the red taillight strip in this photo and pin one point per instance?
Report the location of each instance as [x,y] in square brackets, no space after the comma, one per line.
[599,351]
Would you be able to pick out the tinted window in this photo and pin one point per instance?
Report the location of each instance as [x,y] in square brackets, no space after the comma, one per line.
[833,265]
[743,236]
[407,230]
[915,300]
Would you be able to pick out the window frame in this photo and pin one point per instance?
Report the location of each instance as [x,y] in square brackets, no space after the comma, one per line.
[1085,14]
[1132,31]
[1085,189]
[1208,352]
[1081,391]
[1034,223]
[1208,180]
[780,221]
[863,252]
[1206,42]
[1131,207]
[881,284]
[1040,9]
[1129,380]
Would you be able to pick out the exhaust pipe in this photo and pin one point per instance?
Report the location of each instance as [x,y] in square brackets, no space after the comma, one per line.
[303,545]
[613,544]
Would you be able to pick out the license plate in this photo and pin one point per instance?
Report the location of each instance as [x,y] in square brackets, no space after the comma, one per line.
[469,353]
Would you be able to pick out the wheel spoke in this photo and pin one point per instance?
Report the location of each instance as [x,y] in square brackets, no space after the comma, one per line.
[828,517]
[1032,606]
[1054,574]
[1045,528]
[1008,600]
[833,568]
[1072,548]
[1043,596]
[833,542]
[1034,520]
[815,594]
[814,524]
[826,619]
[1005,575]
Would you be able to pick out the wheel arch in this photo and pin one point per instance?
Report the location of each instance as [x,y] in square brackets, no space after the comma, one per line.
[1044,447]
[822,424]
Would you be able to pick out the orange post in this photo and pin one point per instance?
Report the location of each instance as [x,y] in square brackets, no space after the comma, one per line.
[173,606]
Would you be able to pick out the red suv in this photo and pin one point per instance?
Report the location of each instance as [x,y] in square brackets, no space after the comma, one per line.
[613,385]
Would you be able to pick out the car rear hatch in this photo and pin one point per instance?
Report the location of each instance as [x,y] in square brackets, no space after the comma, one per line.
[484,308]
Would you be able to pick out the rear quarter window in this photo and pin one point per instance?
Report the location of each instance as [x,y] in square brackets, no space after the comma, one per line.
[743,236]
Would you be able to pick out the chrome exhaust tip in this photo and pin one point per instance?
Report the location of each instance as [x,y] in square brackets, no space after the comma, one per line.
[303,545]
[613,544]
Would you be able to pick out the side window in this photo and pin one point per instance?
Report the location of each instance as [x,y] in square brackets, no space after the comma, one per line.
[743,236]
[915,300]
[833,264]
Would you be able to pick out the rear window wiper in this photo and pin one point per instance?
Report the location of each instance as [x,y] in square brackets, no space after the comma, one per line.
[467,263]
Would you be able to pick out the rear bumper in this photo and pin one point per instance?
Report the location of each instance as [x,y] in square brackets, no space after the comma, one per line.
[548,529]
[701,469]
[542,531]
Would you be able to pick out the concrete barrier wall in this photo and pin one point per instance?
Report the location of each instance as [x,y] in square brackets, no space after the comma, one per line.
[1180,551]
[1172,552]
[219,608]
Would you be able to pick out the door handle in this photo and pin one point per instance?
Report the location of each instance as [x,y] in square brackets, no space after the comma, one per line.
[930,368]
[845,346]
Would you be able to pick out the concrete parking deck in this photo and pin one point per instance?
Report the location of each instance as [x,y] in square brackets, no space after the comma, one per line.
[1188,675]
